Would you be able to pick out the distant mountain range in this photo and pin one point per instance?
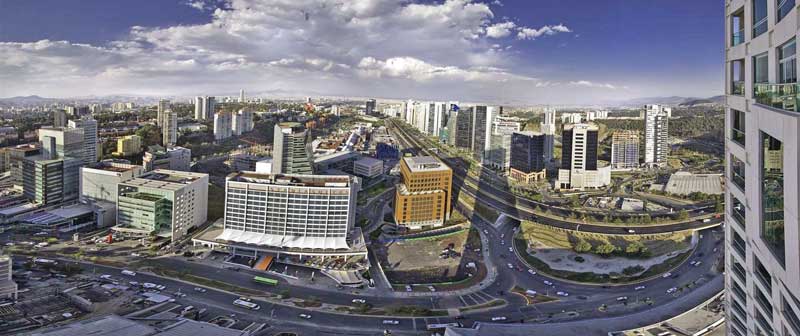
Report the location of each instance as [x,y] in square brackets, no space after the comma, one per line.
[673,101]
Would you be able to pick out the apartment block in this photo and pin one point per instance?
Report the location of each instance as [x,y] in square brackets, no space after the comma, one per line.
[625,150]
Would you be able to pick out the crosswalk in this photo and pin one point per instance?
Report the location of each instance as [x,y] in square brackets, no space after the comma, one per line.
[476,298]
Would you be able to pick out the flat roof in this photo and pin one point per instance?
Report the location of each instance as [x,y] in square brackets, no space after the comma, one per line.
[111,325]
[112,167]
[425,163]
[292,179]
[369,161]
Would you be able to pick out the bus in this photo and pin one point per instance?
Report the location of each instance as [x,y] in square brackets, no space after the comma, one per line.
[245,304]
[266,281]
[435,326]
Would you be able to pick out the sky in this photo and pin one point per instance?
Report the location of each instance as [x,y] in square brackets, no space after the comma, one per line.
[497,51]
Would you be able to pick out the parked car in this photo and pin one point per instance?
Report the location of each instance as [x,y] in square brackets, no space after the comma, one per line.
[305,316]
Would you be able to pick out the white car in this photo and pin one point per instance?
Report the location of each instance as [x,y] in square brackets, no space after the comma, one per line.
[359,301]
[698,263]
[305,316]
[408,288]
[499,318]
[161,287]
[128,273]
[148,285]
[392,322]
[510,249]
[562,293]
[546,282]
[532,272]
[639,288]
[133,283]
[622,298]
[510,266]
[431,288]
[486,231]
[672,290]
[667,275]
[198,289]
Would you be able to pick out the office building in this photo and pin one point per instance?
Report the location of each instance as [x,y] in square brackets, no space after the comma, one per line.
[222,126]
[291,153]
[423,199]
[580,168]
[761,136]
[528,157]
[166,203]
[14,158]
[170,158]
[548,128]
[499,154]
[59,118]
[8,288]
[242,122]
[625,150]
[289,211]
[461,129]
[170,128]
[98,186]
[88,126]
[204,107]
[368,167]
[129,145]
[50,181]
[67,142]
[482,117]
[161,113]
[369,107]
[656,134]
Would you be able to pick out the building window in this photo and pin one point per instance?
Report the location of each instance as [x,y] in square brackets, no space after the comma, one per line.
[738,126]
[737,28]
[737,172]
[787,62]
[784,7]
[772,195]
[759,17]
[760,68]
[737,77]
[738,212]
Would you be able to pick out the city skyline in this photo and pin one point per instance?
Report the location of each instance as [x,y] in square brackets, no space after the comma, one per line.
[510,51]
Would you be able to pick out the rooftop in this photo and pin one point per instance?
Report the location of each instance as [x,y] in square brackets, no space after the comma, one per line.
[425,164]
[111,325]
[113,167]
[166,179]
[368,161]
[292,180]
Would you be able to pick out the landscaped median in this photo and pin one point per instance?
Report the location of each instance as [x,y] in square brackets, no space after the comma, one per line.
[599,258]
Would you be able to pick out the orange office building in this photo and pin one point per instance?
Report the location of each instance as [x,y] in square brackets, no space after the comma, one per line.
[423,199]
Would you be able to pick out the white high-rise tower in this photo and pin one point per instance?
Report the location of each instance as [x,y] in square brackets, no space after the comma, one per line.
[548,128]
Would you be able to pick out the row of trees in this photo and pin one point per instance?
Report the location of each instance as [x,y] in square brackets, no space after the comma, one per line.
[634,249]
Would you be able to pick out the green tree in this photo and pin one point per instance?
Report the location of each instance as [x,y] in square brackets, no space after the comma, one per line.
[605,249]
[150,134]
[719,207]
[582,246]
[683,214]
[634,247]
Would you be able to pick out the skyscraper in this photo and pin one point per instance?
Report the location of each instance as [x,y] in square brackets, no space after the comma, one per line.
[204,107]
[242,122]
[291,153]
[625,149]
[579,165]
[499,154]
[163,107]
[59,118]
[527,157]
[222,126]
[88,126]
[241,96]
[656,134]
[761,136]
[461,134]
[369,108]
[482,117]
[170,128]
[548,128]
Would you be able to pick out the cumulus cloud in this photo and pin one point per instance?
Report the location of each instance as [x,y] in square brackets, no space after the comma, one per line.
[591,84]
[297,44]
[525,33]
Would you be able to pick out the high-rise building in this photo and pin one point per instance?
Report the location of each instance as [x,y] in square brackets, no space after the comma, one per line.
[656,134]
[482,117]
[59,118]
[71,111]
[625,149]
[129,145]
[99,181]
[290,211]
[461,133]
[204,107]
[242,122]
[170,158]
[222,126]
[548,128]
[163,107]
[8,288]
[571,118]
[88,126]
[170,128]
[241,95]
[423,198]
[291,152]
[527,157]
[762,286]
[15,157]
[51,181]
[163,202]
[499,153]
[579,165]
[369,107]
[67,142]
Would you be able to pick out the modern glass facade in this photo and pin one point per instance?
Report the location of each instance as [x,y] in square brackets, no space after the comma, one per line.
[772,221]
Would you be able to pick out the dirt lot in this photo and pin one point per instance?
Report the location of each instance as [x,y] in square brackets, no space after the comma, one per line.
[418,260]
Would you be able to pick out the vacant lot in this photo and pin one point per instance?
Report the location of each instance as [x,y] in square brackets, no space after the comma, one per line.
[418,260]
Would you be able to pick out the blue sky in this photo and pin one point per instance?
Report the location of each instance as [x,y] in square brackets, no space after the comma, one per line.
[550,51]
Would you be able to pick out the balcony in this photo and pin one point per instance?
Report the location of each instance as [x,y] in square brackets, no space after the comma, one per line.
[737,88]
[781,96]
[737,38]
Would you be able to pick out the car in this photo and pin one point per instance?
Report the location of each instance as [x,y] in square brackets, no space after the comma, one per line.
[133,283]
[392,322]
[510,266]
[638,288]
[188,308]
[547,282]
[161,287]
[631,231]
[486,231]
[409,289]
[510,249]
[532,272]
[622,298]
[698,263]
[502,242]
[9,244]
[562,293]
[148,285]
[672,290]
[359,301]
[105,277]
[128,273]
[200,290]
[667,275]
[530,292]
[498,318]
[305,316]
[502,235]
[135,255]
[243,298]
[431,288]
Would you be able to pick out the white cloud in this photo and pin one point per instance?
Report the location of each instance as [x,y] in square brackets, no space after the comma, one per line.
[591,84]
[500,30]
[525,33]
